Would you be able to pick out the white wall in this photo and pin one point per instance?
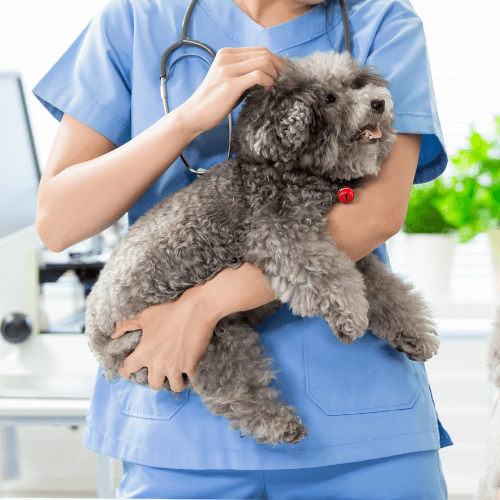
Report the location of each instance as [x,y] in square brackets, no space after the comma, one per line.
[33,35]
[463,40]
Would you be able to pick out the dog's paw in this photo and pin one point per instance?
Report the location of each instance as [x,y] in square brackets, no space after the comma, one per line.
[349,328]
[293,432]
[419,349]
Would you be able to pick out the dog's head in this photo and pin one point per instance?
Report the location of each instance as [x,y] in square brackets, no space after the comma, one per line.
[326,114]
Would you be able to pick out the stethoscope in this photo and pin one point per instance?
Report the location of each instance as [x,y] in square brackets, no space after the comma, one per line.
[184,40]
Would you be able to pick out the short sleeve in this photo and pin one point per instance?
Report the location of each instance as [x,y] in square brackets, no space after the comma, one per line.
[399,51]
[91,80]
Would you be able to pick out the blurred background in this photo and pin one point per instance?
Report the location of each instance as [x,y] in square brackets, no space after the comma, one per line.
[449,247]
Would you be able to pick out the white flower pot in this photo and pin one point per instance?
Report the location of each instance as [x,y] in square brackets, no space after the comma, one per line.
[430,263]
[494,235]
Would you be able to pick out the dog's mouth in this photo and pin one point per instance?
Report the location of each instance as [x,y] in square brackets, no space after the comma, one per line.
[368,133]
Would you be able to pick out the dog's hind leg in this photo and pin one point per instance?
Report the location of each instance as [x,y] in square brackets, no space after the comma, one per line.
[233,380]
[397,313]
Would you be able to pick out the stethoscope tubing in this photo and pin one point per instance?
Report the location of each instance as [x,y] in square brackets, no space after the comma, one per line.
[184,40]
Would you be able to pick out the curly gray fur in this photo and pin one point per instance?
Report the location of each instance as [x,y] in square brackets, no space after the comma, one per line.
[296,148]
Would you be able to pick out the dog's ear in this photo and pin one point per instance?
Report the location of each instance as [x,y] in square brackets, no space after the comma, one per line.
[281,138]
[368,74]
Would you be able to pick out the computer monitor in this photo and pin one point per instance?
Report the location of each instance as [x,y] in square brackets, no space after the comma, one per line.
[19,169]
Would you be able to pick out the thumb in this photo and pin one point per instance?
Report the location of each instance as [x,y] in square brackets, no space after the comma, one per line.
[125,325]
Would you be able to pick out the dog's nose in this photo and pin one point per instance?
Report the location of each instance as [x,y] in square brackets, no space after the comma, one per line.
[378,105]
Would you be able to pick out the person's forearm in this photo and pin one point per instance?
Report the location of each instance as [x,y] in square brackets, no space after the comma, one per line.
[86,198]
[355,232]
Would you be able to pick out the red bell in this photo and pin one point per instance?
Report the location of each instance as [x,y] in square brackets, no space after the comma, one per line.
[345,195]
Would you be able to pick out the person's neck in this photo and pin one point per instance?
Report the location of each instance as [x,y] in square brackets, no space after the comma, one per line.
[269,13]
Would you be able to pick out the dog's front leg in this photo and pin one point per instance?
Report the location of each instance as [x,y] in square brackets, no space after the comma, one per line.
[312,275]
[396,313]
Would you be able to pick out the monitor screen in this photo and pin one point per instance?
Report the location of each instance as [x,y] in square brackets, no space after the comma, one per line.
[19,169]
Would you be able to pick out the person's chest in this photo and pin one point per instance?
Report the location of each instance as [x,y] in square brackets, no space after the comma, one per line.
[158,26]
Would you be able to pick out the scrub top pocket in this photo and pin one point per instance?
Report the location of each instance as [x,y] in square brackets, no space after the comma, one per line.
[140,401]
[365,377]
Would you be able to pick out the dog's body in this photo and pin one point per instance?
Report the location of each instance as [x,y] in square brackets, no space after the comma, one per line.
[268,206]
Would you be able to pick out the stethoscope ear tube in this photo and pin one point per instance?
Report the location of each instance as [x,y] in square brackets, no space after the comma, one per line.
[163,90]
[347,29]
[184,40]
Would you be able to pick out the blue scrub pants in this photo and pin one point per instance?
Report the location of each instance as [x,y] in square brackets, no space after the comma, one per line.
[412,476]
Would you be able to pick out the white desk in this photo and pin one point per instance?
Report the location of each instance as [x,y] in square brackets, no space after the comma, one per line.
[48,382]
[44,411]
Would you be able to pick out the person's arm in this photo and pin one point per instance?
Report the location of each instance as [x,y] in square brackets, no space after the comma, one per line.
[376,213]
[88,183]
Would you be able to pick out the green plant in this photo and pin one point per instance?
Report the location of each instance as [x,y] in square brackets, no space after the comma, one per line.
[423,215]
[469,202]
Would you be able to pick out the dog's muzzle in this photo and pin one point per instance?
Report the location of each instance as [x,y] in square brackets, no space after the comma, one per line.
[368,133]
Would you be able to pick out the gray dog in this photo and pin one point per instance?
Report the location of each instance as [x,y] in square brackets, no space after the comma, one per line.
[325,124]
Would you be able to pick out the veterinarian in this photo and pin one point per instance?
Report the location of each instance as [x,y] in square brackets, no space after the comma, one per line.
[373,428]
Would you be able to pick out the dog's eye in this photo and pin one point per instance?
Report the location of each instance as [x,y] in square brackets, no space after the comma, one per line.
[359,83]
[330,98]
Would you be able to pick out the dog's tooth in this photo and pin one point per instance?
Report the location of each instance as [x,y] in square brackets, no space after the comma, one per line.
[366,133]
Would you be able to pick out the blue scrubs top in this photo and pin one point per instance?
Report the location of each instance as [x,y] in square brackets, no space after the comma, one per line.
[361,401]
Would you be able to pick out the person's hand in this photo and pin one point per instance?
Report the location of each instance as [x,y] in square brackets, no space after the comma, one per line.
[232,73]
[175,336]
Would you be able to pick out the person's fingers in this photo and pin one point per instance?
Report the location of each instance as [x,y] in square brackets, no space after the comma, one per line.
[256,66]
[121,370]
[156,378]
[237,50]
[130,365]
[125,325]
[257,77]
[176,382]
[254,52]
[246,62]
